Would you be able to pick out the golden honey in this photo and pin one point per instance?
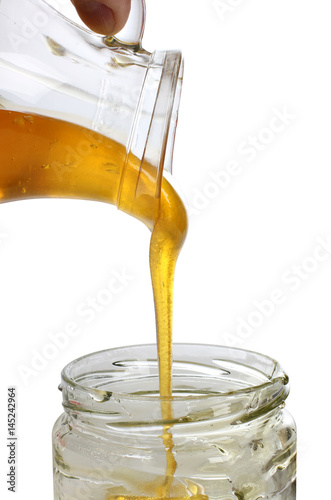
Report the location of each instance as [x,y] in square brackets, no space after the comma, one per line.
[44,157]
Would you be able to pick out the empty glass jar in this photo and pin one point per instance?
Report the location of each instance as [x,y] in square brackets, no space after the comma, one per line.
[232,437]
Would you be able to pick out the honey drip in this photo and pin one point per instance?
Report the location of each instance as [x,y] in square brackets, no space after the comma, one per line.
[44,157]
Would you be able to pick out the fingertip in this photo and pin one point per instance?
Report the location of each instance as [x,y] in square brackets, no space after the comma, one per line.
[97,16]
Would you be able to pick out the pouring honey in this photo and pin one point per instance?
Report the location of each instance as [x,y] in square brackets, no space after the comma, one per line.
[94,118]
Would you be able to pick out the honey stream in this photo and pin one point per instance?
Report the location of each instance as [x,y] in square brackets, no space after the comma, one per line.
[44,157]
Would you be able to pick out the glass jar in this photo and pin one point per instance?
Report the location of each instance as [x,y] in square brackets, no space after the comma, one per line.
[232,438]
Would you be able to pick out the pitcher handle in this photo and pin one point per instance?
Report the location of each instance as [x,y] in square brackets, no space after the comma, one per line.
[133,31]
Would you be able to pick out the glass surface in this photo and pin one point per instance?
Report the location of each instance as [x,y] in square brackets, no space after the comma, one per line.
[232,437]
[51,67]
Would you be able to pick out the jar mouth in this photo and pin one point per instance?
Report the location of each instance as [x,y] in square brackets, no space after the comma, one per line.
[208,382]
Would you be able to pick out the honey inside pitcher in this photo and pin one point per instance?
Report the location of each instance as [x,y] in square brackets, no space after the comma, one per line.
[45,157]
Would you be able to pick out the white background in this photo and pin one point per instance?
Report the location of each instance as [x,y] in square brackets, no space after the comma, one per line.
[243,240]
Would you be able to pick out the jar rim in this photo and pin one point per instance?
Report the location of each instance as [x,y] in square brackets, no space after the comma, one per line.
[204,375]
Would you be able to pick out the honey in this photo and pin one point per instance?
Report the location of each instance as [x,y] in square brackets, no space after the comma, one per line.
[45,157]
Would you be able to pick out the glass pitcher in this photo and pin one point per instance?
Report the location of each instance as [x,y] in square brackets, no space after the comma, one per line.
[83,115]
